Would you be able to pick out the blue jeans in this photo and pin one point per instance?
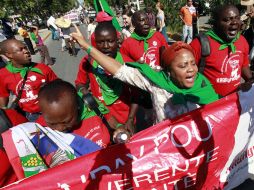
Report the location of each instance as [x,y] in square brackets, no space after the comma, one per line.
[164,33]
[54,34]
[187,34]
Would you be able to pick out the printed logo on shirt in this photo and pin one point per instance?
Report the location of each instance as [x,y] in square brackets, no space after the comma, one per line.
[192,9]
[28,92]
[150,56]
[231,69]
[155,43]
[94,135]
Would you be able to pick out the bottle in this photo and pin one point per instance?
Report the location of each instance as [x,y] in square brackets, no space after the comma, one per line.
[121,137]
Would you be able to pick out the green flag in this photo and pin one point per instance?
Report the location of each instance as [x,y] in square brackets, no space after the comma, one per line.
[102,5]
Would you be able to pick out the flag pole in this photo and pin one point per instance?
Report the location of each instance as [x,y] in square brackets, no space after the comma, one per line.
[101,6]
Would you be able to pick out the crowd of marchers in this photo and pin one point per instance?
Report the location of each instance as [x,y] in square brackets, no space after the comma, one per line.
[124,73]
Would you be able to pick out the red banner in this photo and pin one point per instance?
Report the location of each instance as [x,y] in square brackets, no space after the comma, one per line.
[209,148]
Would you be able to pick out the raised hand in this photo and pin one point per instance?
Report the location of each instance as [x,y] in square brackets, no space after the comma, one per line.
[79,38]
[108,63]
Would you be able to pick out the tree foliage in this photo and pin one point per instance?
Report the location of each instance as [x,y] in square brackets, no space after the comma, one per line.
[214,3]
[110,2]
[172,8]
[34,8]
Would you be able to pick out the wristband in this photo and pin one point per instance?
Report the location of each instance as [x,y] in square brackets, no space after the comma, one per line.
[80,89]
[89,49]
[119,125]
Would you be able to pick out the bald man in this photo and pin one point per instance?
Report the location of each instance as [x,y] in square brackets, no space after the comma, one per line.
[63,110]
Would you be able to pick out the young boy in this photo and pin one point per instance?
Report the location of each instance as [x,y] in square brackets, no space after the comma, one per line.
[23,78]
[116,95]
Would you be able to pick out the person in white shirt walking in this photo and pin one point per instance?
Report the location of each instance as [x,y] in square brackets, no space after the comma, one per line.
[91,27]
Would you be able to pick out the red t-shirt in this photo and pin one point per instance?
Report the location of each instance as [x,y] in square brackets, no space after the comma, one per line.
[135,49]
[91,128]
[223,68]
[7,175]
[12,82]
[120,108]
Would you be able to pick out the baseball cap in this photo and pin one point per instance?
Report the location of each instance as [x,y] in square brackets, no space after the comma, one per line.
[103,16]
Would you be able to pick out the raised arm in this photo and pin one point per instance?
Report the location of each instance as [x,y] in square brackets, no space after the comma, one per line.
[108,63]
[36,32]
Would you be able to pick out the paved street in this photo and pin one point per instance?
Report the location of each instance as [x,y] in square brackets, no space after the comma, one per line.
[66,66]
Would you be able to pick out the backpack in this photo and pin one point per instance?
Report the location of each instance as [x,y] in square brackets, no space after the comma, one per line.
[5,124]
[205,51]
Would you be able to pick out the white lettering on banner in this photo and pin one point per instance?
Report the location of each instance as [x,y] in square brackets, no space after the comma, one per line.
[143,177]
[209,127]
[210,155]
[118,184]
[63,186]
[109,186]
[161,172]
[131,156]
[198,159]
[165,137]
[175,167]
[142,150]
[93,172]
[119,162]
[189,181]
[141,153]
[83,178]
[165,173]
[188,132]
[174,183]
[159,140]
[157,174]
